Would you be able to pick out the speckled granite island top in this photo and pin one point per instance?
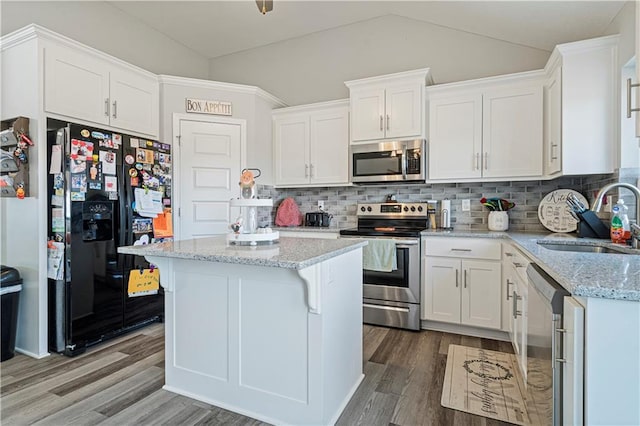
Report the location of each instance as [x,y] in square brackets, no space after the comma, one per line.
[288,253]
[604,275]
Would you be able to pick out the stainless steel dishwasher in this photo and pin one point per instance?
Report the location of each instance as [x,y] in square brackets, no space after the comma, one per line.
[544,325]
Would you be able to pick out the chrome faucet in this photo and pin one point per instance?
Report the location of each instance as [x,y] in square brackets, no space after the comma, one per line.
[600,197]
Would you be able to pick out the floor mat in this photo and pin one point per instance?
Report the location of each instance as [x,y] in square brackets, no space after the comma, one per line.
[485,383]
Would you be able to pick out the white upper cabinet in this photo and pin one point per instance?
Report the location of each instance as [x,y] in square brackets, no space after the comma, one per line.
[76,85]
[487,129]
[291,137]
[311,144]
[581,108]
[388,107]
[553,127]
[134,101]
[79,84]
[455,137]
[512,132]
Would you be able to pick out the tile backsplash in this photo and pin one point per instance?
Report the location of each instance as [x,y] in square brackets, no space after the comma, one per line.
[341,201]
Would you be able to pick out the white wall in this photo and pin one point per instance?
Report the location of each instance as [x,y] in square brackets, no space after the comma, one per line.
[624,24]
[247,104]
[22,227]
[106,28]
[313,68]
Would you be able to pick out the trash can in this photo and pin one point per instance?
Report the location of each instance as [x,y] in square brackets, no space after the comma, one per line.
[10,287]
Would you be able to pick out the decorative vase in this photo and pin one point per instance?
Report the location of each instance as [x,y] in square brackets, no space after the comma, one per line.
[498,221]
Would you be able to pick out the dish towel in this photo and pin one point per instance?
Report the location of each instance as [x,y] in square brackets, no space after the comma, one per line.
[380,255]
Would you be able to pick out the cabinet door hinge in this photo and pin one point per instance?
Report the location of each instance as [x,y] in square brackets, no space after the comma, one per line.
[179,137]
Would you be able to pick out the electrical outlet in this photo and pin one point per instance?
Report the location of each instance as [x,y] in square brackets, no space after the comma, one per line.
[320,204]
[466,205]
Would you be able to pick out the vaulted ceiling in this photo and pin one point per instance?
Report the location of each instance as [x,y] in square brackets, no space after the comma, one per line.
[216,28]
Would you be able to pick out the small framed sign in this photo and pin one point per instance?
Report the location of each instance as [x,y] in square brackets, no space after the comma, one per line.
[201,106]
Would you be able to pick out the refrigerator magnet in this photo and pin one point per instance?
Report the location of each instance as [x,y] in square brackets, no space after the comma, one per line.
[110,184]
[133,143]
[77,196]
[117,140]
[79,182]
[129,159]
[95,185]
[113,195]
[135,181]
[97,135]
[85,133]
[78,166]
[133,172]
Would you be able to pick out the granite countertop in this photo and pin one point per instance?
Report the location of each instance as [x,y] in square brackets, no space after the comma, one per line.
[288,253]
[603,275]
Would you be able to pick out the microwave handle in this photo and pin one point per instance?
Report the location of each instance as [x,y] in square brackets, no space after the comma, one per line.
[404,162]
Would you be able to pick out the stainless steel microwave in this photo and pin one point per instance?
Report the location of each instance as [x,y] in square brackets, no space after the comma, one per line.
[394,161]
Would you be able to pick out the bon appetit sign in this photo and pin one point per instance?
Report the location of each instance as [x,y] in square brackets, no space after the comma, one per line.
[201,106]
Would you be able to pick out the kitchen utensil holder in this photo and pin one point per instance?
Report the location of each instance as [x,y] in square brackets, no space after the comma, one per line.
[590,226]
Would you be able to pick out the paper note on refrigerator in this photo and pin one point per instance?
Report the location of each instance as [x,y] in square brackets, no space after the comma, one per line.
[148,202]
[143,282]
[162,225]
[55,254]
[56,160]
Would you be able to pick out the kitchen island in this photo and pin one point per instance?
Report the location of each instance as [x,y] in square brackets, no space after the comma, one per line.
[272,332]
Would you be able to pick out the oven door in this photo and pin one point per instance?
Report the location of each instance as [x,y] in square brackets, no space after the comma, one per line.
[401,285]
[388,161]
[393,298]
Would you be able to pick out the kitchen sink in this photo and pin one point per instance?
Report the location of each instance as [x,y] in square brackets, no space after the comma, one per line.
[581,248]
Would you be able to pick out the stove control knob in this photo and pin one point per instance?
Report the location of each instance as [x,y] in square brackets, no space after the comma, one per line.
[413,208]
[406,209]
[369,208]
[362,208]
[419,208]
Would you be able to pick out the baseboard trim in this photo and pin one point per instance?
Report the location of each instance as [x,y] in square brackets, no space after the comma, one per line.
[465,330]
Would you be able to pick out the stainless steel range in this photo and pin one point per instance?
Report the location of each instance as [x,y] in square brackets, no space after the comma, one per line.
[392,298]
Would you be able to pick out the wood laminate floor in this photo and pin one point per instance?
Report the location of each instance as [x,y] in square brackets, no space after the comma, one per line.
[120,383]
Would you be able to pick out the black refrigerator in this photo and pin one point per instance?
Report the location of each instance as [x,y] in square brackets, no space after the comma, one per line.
[96,178]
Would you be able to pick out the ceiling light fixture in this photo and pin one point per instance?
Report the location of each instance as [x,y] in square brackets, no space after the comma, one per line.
[264,6]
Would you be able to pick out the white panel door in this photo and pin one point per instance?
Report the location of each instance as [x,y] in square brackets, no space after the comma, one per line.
[76,85]
[403,105]
[210,166]
[329,147]
[481,288]
[291,140]
[573,368]
[553,130]
[367,114]
[455,137]
[442,283]
[134,101]
[512,132]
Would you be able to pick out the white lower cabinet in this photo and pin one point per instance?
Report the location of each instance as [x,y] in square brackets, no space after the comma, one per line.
[462,289]
[514,301]
[573,367]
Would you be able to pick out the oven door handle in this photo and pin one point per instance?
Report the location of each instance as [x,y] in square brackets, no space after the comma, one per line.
[405,244]
[399,243]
